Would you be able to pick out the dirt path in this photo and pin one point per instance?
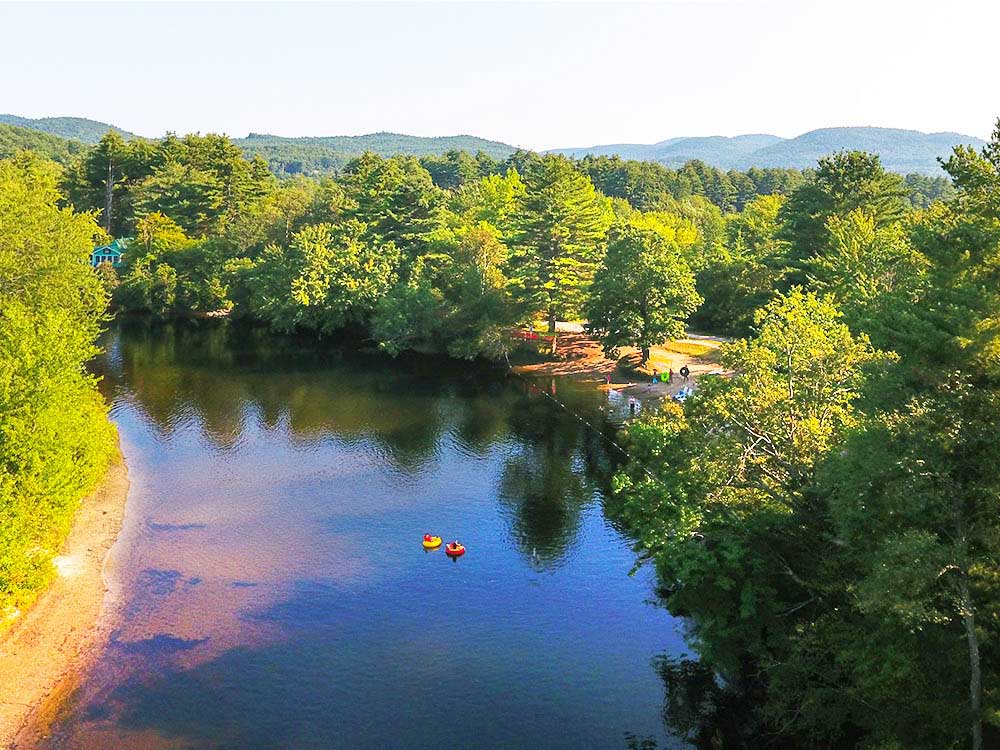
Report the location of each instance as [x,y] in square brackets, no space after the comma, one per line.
[44,647]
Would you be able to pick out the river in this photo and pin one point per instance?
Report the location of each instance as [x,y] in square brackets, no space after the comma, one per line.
[274,592]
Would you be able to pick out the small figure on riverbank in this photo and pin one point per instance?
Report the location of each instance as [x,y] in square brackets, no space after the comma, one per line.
[656,376]
[608,378]
[670,375]
[685,372]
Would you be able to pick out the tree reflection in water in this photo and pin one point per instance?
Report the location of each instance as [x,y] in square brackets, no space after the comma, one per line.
[223,374]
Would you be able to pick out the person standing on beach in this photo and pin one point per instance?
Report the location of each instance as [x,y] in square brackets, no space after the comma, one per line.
[685,372]
[670,375]
[656,376]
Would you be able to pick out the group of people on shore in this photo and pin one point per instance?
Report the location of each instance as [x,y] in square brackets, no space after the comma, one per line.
[658,377]
[668,377]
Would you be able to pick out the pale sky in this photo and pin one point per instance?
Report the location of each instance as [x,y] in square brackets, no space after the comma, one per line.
[533,75]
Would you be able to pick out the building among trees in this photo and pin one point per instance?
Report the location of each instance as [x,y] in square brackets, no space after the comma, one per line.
[113,253]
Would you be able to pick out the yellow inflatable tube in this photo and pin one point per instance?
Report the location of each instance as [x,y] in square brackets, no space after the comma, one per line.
[430,542]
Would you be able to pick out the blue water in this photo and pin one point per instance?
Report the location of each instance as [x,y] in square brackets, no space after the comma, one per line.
[274,591]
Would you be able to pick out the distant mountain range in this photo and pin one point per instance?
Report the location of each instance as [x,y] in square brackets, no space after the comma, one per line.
[902,151]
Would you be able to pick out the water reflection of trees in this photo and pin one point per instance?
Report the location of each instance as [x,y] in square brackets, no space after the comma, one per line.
[221,373]
[232,377]
[708,713]
[560,466]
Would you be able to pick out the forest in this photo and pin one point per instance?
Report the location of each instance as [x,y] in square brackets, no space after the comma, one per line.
[826,516]
[55,437]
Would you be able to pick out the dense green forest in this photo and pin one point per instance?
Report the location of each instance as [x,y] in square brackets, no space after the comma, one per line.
[213,229]
[14,139]
[311,155]
[826,516]
[55,438]
[73,128]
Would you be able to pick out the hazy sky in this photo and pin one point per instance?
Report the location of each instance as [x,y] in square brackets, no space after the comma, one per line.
[532,75]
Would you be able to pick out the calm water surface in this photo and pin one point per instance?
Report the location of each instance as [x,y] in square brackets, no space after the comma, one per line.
[275,592]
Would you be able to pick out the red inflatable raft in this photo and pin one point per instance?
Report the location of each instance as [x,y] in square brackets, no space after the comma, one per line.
[454,549]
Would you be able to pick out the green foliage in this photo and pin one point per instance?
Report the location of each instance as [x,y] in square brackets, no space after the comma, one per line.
[828,517]
[923,190]
[326,155]
[649,186]
[198,181]
[844,182]
[75,128]
[395,199]
[722,495]
[871,270]
[743,272]
[329,277]
[561,228]
[55,439]
[644,290]
[494,199]
[14,139]
[456,168]
[456,294]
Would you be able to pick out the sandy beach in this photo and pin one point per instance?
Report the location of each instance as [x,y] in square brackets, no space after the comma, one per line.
[581,356]
[46,647]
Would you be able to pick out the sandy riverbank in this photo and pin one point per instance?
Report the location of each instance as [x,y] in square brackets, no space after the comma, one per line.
[581,356]
[46,647]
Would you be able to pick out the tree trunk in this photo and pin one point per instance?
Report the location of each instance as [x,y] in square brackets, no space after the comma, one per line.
[645,355]
[110,193]
[552,329]
[975,671]
[968,613]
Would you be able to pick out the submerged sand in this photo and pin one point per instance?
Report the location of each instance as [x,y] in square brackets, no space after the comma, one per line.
[46,647]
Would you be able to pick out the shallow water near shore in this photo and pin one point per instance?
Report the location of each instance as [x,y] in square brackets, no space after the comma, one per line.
[275,593]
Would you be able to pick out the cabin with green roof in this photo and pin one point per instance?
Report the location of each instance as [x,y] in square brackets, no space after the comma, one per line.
[113,253]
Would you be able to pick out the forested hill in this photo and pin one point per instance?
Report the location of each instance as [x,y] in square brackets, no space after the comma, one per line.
[717,151]
[75,128]
[323,154]
[14,139]
[902,151]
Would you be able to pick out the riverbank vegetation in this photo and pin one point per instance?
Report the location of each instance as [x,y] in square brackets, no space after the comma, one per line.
[829,516]
[440,253]
[826,516]
[55,438]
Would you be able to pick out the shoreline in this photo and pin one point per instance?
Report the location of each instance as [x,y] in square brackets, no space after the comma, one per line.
[49,645]
[48,649]
[582,358]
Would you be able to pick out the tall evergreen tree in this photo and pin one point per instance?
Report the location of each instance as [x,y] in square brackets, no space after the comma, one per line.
[561,228]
